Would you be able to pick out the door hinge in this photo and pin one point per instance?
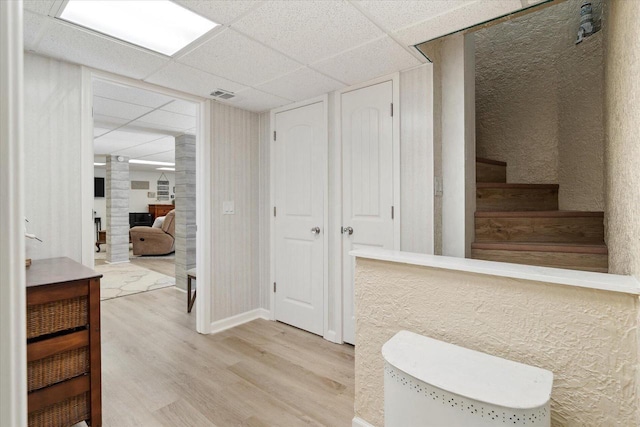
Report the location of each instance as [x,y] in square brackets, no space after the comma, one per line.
[274,211]
[274,286]
[392,212]
[274,135]
[392,109]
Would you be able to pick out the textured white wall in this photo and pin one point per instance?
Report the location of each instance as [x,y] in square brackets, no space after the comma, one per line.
[587,338]
[539,102]
[52,149]
[235,168]
[623,146]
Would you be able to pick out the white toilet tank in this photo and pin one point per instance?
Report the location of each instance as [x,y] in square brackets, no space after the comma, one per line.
[432,383]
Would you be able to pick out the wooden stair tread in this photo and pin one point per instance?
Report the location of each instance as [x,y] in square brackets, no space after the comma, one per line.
[507,185]
[539,214]
[490,162]
[542,247]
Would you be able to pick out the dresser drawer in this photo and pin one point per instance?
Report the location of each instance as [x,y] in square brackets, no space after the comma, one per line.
[57,308]
[67,412]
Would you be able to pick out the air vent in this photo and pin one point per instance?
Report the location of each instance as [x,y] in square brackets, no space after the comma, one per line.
[222,94]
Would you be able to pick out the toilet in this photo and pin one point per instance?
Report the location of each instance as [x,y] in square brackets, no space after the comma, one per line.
[431,383]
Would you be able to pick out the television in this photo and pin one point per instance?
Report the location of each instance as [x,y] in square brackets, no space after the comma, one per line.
[98,187]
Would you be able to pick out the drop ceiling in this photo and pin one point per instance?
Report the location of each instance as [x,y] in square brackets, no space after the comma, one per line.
[138,123]
[271,53]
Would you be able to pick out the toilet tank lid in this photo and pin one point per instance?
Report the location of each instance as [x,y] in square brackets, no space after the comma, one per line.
[468,373]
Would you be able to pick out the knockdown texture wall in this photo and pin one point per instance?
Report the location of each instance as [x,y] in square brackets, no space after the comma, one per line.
[588,338]
[623,145]
[234,151]
[539,102]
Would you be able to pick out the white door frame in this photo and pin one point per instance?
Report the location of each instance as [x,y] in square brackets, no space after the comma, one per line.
[337,283]
[204,214]
[13,350]
[324,99]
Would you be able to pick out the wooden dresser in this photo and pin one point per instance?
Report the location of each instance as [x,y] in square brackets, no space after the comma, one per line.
[63,344]
[160,210]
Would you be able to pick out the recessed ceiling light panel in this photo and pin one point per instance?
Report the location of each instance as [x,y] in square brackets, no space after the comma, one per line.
[158,25]
[150,162]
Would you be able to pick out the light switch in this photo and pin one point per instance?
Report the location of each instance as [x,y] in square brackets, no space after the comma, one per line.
[228,207]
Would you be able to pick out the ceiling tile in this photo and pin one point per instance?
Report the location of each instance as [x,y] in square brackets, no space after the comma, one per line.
[168,156]
[191,80]
[472,13]
[108,122]
[302,84]
[122,110]
[166,118]
[71,43]
[160,146]
[129,94]
[106,145]
[43,7]
[375,59]
[238,58]
[182,107]
[309,30]
[256,100]
[34,26]
[394,14]
[136,137]
[222,12]
[99,131]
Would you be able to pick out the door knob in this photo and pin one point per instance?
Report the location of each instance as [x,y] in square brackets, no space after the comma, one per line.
[347,230]
[315,230]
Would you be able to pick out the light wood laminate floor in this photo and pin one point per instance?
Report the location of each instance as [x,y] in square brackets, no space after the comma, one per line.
[157,371]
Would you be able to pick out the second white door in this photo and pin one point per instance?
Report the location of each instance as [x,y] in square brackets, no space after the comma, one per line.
[300,150]
[367,182]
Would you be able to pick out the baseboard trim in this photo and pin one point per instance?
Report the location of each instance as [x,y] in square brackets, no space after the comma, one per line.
[359,422]
[238,319]
[331,336]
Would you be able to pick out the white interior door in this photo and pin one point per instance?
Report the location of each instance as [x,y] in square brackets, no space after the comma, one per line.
[300,150]
[367,187]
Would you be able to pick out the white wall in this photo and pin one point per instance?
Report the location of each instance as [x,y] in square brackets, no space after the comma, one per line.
[417,160]
[458,144]
[138,200]
[13,359]
[235,151]
[53,157]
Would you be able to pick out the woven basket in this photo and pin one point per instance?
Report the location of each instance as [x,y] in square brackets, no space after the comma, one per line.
[62,414]
[56,316]
[57,368]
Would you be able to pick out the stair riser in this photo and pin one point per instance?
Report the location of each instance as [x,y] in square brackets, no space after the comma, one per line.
[582,230]
[516,199]
[490,173]
[572,261]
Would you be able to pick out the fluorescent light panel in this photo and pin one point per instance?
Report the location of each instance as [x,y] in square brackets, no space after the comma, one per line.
[165,169]
[158,25]
[151,162]
[99,164]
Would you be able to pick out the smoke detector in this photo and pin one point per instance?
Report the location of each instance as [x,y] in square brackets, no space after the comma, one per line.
[222,94]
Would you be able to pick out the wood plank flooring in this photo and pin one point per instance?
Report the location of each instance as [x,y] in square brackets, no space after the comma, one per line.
[157,371]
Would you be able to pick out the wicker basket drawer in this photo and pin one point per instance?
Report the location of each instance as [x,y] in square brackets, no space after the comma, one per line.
[62,414]
[44,319]
[57,368]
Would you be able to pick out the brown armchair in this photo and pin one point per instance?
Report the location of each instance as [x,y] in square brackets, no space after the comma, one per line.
[155,241]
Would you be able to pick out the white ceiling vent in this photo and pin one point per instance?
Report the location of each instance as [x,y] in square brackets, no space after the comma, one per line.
[222,94]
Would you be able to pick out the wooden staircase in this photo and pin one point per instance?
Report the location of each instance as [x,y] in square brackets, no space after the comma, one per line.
[521,224]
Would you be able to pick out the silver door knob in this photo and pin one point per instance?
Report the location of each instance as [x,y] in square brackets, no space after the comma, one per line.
[315,230]
[347,230]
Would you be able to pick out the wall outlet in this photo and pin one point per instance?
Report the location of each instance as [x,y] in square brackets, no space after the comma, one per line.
[437,186]
[228,207]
